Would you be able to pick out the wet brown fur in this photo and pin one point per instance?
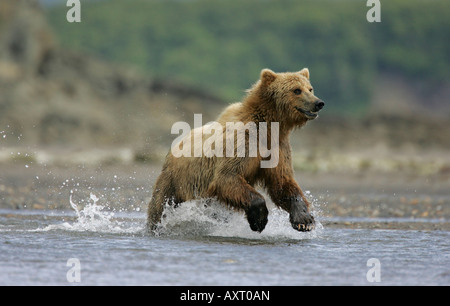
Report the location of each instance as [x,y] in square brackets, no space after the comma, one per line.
[231,180]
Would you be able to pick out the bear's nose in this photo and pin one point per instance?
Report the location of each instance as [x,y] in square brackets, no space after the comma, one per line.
[319,105]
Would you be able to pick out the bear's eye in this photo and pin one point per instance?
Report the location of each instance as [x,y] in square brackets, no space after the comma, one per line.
[311,90]
[297,91]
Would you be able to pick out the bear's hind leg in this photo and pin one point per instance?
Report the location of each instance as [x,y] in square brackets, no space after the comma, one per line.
[164,192]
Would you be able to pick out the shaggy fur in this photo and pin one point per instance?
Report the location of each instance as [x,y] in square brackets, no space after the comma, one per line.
[286,98]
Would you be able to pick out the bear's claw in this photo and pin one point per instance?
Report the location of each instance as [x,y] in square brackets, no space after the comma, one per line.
[305,228]
[302,221]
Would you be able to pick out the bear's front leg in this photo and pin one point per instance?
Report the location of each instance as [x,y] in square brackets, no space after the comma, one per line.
[289,197]
[257,213]
[299,216]
[236,192]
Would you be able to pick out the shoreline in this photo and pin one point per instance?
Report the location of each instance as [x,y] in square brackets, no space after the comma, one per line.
[389,225]
[369,200]
[385,224]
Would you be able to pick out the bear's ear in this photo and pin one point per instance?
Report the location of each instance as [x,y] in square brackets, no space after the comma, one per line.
[305,72]
[267,76]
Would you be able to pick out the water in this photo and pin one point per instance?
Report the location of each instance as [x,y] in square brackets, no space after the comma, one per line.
[200,244]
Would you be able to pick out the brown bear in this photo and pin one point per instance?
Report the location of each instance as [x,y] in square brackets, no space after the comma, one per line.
[286,99]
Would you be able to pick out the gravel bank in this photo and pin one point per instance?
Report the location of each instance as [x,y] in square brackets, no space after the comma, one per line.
[362,200]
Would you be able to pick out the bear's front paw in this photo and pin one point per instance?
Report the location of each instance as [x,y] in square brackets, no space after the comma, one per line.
[257,215]
[302,221]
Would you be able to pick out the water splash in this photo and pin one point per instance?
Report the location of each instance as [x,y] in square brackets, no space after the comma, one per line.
[198,218]
[211,218]
[96,218]
[93,217]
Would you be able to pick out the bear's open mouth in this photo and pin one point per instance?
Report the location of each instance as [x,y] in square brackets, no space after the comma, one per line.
[307,113]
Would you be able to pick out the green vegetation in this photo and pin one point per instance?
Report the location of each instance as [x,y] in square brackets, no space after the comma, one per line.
[221,46]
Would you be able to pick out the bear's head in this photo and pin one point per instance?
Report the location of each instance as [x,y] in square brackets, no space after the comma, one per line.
[290,94]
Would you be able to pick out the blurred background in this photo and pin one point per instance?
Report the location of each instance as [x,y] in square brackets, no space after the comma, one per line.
[117,81]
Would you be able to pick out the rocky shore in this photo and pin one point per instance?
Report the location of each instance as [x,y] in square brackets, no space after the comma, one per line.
[371,200]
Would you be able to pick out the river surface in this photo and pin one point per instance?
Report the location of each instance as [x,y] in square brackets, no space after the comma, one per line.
[208,245]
